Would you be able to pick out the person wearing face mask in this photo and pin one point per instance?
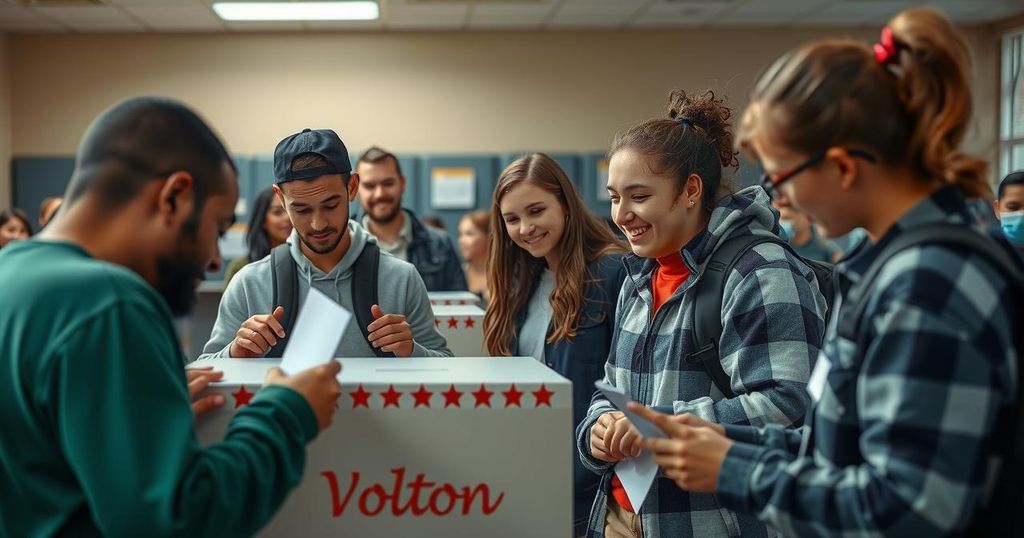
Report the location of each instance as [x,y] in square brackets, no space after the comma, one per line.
[555,272]
[269,227]
[916,425]
[803,236]
[1009,208]
[665,185]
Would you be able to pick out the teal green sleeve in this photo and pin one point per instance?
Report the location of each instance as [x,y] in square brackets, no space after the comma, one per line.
[123,418]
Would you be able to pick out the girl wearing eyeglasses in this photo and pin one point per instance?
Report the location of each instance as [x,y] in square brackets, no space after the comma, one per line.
[912,404]
[665,180]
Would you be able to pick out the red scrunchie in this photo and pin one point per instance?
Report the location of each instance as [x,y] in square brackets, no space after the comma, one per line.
[886,51]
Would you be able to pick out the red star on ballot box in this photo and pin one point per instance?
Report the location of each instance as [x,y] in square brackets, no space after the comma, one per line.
[453,323]
[543,396]
[360,398]
[422,396]
[242,396]
[483,396]
[513,396]
[391,396]
[452,397]
[469,323]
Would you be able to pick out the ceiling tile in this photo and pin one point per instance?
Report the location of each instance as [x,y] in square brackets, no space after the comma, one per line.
[84,15]
[594,15]
[14,18]
[17,13]
[510,13]
[772,12]
[443,14]
[259,26]
[424,25]
[159,16]
[680,14]
[344,25]
[505,25]
[853,13]
[161,3]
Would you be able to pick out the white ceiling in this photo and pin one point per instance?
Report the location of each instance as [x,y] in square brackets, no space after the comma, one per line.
[196,15]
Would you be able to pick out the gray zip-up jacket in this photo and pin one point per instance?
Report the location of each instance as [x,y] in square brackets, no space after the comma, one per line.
[401,291]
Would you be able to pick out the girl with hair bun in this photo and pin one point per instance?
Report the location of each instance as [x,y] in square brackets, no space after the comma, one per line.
[914,392]
[668,196]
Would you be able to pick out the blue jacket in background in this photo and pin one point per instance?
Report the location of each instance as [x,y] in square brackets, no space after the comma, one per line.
[582,361]
[432,251]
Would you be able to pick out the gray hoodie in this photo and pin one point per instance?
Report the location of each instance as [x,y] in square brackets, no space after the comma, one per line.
[401,291]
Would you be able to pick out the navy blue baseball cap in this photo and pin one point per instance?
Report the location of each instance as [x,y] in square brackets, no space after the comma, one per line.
[322,142]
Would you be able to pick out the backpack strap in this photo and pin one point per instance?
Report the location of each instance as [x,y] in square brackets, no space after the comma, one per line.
[947,234]
[365,277]
[1003,516]
[707,306]
[285,277]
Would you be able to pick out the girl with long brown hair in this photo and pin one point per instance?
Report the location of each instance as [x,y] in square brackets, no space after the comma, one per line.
[555,271]
[916,386]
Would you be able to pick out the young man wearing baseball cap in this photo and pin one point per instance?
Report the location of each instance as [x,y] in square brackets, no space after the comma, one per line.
[315,182]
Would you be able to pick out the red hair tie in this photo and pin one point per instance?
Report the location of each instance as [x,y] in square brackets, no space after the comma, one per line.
[886,51]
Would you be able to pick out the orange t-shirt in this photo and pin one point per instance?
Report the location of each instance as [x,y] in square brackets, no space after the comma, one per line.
[671,274]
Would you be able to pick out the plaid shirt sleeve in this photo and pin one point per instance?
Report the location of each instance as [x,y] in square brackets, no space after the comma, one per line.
[903,430]
[772,325]
[599,405]
[771,436]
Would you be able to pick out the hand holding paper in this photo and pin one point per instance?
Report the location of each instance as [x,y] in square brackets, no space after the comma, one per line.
[693,453]
[636,474]
[316,334]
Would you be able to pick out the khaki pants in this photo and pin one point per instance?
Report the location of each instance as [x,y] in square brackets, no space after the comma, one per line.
[619,522]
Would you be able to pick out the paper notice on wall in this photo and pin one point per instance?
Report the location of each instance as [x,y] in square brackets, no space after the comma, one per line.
[602,180]
[452,188]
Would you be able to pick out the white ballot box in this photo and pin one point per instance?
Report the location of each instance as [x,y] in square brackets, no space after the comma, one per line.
[453,298]
[463,327]
[454,447]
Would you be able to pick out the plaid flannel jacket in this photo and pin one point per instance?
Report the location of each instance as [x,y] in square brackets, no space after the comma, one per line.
[901,441]
[772,319]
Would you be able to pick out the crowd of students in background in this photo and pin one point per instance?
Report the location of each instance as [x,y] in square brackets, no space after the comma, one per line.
[878,397]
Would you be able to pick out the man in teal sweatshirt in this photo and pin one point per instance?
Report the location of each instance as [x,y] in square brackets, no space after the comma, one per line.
[96,424]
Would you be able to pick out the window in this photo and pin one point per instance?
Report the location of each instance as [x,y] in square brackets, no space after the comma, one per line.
[1011,132]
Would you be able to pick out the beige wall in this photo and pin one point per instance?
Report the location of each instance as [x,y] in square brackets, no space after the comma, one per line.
[411,92]
[5,121]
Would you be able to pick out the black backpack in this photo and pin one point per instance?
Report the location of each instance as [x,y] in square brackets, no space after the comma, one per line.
[1003,514]
[707,304]
[285,275]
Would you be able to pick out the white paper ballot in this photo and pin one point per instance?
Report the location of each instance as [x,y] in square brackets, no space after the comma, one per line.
[316,333]
[636,474]
[619,399]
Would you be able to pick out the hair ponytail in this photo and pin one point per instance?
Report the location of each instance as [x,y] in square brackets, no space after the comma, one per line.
[910,106]
[933,83]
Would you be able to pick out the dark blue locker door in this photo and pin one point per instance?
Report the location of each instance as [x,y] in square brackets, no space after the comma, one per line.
[34,179]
